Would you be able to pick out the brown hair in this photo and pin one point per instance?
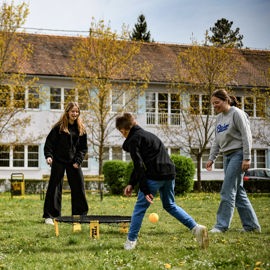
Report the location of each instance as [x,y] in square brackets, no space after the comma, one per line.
[63,121]
[125,121]
[223,95]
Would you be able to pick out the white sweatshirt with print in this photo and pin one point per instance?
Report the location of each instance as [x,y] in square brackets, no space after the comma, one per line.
[232,132]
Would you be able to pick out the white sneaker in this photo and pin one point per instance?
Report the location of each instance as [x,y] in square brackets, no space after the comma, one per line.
[215,230]
[201,235]
[130,244]
[49,221]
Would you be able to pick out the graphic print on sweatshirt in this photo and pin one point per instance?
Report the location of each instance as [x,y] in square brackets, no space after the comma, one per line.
[222,128]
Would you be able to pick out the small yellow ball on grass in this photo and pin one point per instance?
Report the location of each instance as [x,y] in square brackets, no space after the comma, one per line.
[153,217]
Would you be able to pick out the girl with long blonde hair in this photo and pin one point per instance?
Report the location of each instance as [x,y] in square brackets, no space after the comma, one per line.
[64,150]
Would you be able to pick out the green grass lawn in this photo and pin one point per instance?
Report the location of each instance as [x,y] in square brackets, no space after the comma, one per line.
[27,243]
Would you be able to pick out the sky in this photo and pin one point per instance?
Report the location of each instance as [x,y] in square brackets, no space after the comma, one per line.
[169,21]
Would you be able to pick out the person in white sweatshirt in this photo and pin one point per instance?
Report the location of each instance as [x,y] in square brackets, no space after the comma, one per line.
[233,139]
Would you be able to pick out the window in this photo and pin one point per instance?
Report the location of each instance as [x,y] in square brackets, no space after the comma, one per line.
[117,153]
[106,153]
[175,109]
[32,156]
[206,105]
[124,99]
[200,104]
[258,158]
[19,97]
[4,155]
[150,108]
[33,98]
[55,98]
[194,104]
[260,106]
[218,164]
[131,101]
[5,97]
[162,109]
[18,156]
[60,97]
[69,96]
[248,105]
[253,106]
[239,100]
[157,108]
[117,100]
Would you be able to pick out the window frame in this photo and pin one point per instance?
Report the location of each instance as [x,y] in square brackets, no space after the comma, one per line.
[19,158]
[159,111]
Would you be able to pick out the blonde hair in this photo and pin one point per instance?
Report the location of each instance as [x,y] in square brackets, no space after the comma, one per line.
[63,121]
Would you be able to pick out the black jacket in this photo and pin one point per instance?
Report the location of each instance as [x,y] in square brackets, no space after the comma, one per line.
[149,156]
[64,147]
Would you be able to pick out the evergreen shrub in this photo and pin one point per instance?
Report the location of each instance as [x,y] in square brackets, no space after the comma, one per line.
[185,170]
[115,175]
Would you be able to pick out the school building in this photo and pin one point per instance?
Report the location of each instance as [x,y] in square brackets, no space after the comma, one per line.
[22,151]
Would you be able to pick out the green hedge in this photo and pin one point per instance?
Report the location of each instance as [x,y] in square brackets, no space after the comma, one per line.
[185,171]
[115,175]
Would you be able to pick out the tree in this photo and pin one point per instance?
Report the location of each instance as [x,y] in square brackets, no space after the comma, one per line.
[14,54]
[140,30]
[205,69]
[109,76]
[224,36]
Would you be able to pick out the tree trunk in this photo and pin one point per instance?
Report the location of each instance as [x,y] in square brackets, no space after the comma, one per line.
[198,183]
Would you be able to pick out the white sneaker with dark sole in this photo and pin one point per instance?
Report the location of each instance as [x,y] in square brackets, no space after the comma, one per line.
[49,221]
[130,244]
[201,235]
[215,230]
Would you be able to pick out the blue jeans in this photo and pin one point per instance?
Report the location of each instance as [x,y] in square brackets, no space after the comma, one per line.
[234,195]
[166,190]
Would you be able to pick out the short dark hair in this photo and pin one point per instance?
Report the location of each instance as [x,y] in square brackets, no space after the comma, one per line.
[125,121]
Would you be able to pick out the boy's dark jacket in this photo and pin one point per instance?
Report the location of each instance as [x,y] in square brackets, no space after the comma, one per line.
[149,156]
[64,147]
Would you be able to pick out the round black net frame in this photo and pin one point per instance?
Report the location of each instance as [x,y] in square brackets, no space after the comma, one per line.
[99,218]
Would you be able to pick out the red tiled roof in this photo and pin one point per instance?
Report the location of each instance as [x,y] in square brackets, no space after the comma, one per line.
[51,57]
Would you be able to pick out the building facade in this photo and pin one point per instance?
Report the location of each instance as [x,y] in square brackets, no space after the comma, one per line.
[22,150]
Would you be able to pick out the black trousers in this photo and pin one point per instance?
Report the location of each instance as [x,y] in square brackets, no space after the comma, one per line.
[53,199]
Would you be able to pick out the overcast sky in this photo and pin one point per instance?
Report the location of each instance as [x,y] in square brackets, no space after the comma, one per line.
[169,21]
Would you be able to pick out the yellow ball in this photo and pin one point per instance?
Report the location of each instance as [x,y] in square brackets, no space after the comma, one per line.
[153,217]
